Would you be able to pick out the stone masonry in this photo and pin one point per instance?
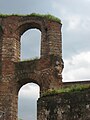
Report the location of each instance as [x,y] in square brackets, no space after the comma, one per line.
[46,71]
[65,106]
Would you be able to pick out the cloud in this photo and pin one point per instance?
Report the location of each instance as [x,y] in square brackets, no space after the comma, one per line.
[78,24]
[77,67]
[30,44]
[25,6]
[75,25]
[73,22]
[27,102]
[30,90]
[71,7]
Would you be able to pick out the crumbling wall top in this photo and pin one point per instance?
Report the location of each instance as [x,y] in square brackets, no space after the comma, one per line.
[42,16]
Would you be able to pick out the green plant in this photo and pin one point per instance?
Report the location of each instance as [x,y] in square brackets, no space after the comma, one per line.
[32,59]
[20,119]
[46,16]
[69,89]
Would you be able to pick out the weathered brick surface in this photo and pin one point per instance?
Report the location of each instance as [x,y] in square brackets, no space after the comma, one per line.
[41,71]
[8,100]
[46,71]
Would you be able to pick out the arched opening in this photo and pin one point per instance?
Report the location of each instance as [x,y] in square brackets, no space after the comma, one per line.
[27,101]
[31,44]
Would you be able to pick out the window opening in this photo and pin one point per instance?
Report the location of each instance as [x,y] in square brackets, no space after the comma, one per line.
[31,44]
[27,101]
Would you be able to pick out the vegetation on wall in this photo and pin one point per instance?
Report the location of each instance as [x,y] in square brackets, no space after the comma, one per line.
[69,89]
[20,119]
[45,16]
[32,59]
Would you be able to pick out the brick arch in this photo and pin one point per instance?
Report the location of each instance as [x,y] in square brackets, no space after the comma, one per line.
[33,23]
[33,71]
[26,26]
[23,82]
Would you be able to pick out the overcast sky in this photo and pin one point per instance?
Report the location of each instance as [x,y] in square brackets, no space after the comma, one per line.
[75,17]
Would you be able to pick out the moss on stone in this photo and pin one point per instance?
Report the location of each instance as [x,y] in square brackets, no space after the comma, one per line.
[28,60]
[69,89]
[46,16]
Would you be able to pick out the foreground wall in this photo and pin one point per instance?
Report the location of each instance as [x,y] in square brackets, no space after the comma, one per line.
[65,106]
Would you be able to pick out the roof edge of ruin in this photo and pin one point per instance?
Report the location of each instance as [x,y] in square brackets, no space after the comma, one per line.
[44,16]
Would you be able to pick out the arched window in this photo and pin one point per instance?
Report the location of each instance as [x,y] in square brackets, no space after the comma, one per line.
[30,44]
[27,102]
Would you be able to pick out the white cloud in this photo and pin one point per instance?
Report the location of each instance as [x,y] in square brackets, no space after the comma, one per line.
[74,14]
[59,9]
[30,44]
[27,102]
[73,22]
[86,24]
[77,67]
[30,90]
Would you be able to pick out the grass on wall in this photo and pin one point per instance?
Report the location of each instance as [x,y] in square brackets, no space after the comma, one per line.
[72,88]
[46,16]
[28,60]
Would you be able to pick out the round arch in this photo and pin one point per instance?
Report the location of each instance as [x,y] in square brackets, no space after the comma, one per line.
[31,24]
[30,44]
[27,101]
[26,81]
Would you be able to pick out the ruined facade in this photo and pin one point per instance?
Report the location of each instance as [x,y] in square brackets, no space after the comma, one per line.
[46,71]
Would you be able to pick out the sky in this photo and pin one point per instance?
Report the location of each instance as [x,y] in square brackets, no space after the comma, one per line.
[75,17]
